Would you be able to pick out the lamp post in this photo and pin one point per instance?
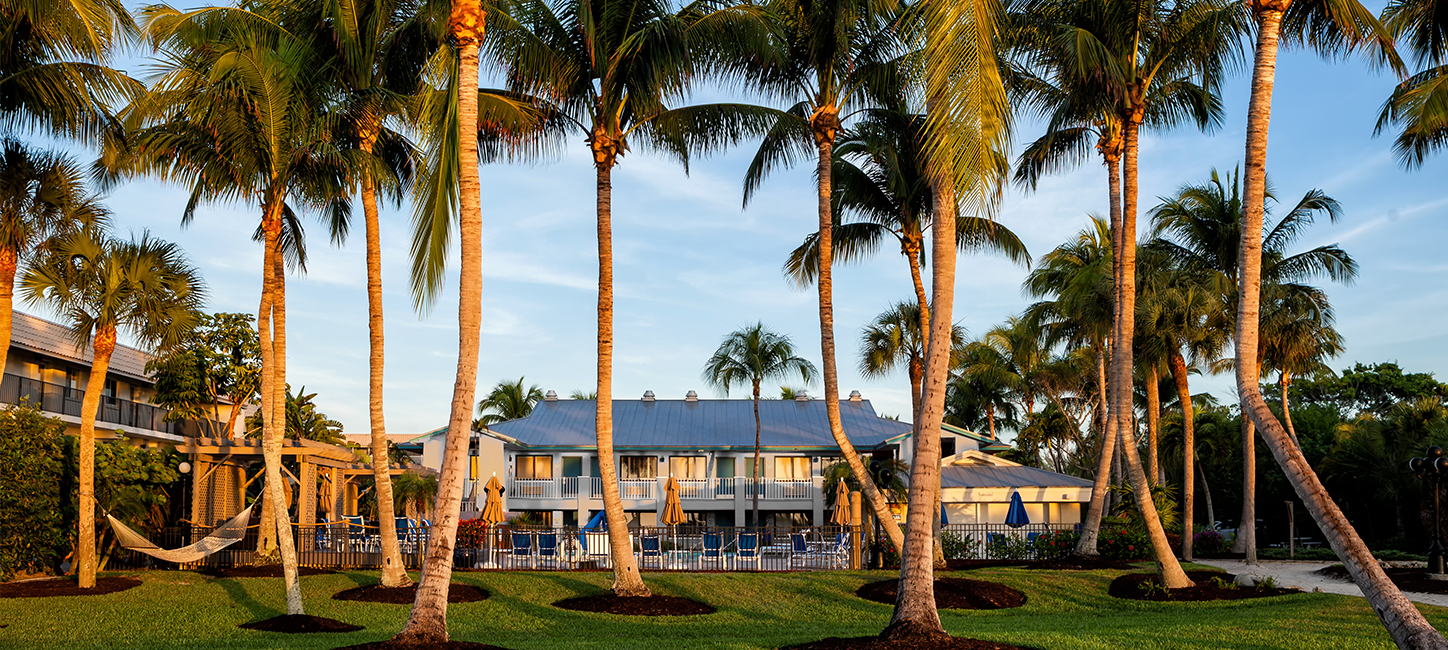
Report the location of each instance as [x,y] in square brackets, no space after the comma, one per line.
[1432,468]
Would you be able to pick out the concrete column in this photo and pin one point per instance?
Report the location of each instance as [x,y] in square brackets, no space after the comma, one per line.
[198,491]
[659,497]
[307,492]
[741,504]
[817,496]
[339,494]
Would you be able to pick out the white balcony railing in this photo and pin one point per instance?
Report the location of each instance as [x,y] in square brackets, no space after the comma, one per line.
[591,487]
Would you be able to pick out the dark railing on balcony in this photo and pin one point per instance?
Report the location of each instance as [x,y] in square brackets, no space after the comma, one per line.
[121,412]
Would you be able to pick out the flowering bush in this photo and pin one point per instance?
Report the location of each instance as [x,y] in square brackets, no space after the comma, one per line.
[1120,543]
[1209,542]
[471,533]
[958,547]
[889,558]
[1056,544]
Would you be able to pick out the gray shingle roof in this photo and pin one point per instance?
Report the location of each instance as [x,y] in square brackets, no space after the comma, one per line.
[701,424]
[988,476]
[53,339]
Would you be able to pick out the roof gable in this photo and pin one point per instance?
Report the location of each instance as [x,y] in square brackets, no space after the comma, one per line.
[53,339]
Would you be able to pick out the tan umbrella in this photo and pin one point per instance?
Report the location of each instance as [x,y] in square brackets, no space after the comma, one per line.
[841,513]
[673,511]
[493,509]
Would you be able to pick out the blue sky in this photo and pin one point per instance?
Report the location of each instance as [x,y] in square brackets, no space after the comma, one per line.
[691,265]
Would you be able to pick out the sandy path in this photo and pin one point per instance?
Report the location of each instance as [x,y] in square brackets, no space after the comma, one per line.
[1300,575]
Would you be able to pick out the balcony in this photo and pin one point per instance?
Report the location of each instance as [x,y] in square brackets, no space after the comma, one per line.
[706,489]
[123,413]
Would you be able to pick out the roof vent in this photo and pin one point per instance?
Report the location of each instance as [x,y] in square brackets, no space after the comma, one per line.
[801,396]
[691,396]
[855,396]
[648,396]
[550,397]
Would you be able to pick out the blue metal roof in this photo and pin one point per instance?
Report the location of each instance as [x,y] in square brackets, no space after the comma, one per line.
[990,476]
[701,424]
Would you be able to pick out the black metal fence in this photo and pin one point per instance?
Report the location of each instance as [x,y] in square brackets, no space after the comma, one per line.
[123,412]
[659,548]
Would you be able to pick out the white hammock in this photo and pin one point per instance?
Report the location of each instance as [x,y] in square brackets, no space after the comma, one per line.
[225,535]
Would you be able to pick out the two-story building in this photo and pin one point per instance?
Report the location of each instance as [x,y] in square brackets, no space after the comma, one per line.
[548,461]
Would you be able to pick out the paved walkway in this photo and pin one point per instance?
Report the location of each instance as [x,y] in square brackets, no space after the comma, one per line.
[1302,576]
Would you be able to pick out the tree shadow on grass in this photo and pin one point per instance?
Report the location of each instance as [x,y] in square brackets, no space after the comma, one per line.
[240,596]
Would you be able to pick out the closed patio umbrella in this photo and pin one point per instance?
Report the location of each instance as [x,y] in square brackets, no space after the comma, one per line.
[1016,516]
[493,509]
[673,511]
[841,514]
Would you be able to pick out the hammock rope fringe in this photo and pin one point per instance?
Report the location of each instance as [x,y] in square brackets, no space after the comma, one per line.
[225,535]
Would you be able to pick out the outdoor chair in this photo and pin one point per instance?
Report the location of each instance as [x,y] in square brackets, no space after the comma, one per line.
[522,549]
[800,551]
[357,536]
[548,548]
[1031,539]
[713,548]
[404,534]
[322,538]
[994,541]
[649,547]
[747,549]
[838,552]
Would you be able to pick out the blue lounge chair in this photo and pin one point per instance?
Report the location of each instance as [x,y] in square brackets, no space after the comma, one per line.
[649,548]
[548,548]
[747,549]
[522,548]
[799,550]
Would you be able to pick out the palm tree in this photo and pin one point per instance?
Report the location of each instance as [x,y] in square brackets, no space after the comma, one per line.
[206,124]
[427,623]
[1200,229]
[55,57]
[1416,106]
[1078,275]
[41,194]
[828,58]
[507,401]
[609,71]
[144,287]
[893,340]
[980,398]
[1298,338]
[747,357]
[889,193]
[304,421]
[1332,27]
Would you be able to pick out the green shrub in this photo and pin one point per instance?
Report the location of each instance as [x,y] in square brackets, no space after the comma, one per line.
[958,547]
[33,534]
[1122,543]
[1009,547]
[1208,542]
[1056,544]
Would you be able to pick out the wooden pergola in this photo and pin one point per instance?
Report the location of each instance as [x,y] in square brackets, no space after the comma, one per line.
[219,481]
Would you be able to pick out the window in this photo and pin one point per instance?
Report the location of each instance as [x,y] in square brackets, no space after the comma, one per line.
[637,467]
[724,467]
[593,469]
[535,467]
[790,468]
[947,446]
[572,467]
[689,467]
[109,391]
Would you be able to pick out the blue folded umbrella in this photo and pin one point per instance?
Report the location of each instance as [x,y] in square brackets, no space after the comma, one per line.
[1016,516]
[944,520]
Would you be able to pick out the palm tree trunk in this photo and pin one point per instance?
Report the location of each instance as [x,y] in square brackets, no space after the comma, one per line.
[1189,451]
[990,419]
[1403,621]
[1284,381]
[285,540]
[915,614]
[1102,483]
[1153,418]
[1246,539]
[916,372]
[104,345]
[626,578]
[394,574]
[9,262]
[267,551]
[1170,571]
[1091,527]
[428,621]
[1207,497]
[273,409]
[755,474]
[873,496]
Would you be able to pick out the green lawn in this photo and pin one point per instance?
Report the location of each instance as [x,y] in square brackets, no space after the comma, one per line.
[1065,610]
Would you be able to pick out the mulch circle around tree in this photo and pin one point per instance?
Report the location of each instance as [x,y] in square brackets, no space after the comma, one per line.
[456,593]
[1414,579]
[52,587]
[635,605]
[262,571]
[396,645]
[876,643]
[300,624]
[951,593]
[1129,587]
